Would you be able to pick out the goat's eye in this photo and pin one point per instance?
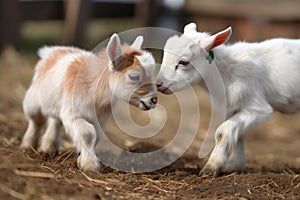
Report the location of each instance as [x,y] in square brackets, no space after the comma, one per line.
[183,62]
[134,77]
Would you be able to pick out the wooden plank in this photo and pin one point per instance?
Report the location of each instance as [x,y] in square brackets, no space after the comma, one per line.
[42,10]
[10,21]
[76,19]
[45,10]
[287,10]
[112,10]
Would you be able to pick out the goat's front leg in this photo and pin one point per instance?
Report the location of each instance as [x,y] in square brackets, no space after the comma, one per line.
[228,154]
[85,138]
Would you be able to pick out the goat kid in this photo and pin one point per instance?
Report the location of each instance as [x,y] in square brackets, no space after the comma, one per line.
[75,88]
[259,78]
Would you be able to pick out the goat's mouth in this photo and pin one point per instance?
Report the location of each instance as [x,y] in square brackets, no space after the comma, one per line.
[144,106]
[135,101]
[164,90]
[145,103]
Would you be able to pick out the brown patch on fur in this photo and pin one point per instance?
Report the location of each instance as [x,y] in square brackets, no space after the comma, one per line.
[129,60]
[72,73]
[130,54]
[144,89]
[219,138]
[49,61]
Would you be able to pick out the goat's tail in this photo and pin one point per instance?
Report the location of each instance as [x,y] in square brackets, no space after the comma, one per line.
[45,51]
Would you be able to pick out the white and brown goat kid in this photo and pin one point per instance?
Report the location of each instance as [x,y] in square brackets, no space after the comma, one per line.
[75,88]
[258,78]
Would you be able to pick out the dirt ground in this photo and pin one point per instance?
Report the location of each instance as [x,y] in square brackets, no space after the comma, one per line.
[272,170]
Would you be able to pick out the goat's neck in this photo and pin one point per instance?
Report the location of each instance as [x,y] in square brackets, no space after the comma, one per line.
[94,80]
[103,94]
[223,58]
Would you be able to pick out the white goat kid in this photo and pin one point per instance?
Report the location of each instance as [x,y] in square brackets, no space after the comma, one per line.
[76,87]
[258,78]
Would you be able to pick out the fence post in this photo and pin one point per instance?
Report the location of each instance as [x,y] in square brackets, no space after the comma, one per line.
[77,13]
[10,22]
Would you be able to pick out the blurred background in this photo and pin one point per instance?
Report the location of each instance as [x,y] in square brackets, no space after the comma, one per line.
[28,24]
[272,147]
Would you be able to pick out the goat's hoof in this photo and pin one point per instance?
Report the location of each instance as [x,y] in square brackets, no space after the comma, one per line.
[91,166]
[51,151]
[209,170]
[78,162]
[25,145]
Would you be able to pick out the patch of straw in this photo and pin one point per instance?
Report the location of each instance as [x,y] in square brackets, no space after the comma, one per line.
[12,192]
[68,153]
[93,180]
[34,174]
[160,189]
[37,153]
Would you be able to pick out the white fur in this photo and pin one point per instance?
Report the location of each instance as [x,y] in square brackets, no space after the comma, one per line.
[84,108]
[258,78]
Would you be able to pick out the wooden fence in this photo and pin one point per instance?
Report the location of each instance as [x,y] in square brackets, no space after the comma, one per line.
[252,20]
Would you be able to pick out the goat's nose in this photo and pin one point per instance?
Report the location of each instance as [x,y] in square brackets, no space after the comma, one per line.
[159,84]
[154,100]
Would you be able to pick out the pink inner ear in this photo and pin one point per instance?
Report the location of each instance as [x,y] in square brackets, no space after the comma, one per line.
[113,50]
[220,39]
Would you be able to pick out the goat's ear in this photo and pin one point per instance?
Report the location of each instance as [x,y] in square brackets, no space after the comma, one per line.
[215,40]
[191,27]
[114,51]
[138,42]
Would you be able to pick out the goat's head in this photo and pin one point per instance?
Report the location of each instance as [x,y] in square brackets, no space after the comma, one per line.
[186,55]
[131,73]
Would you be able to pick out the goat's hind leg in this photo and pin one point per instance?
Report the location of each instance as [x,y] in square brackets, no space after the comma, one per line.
[50,142]
[31,136]
[36,120]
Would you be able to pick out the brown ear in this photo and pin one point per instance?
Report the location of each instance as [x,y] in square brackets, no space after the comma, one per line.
[128,58]
[132,53]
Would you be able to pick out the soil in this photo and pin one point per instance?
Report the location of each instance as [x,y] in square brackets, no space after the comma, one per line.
[272,148]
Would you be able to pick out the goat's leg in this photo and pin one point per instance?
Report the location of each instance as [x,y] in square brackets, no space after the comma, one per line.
[228,154]
[50,142]
[31,136]
[36,120]
[85,138]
